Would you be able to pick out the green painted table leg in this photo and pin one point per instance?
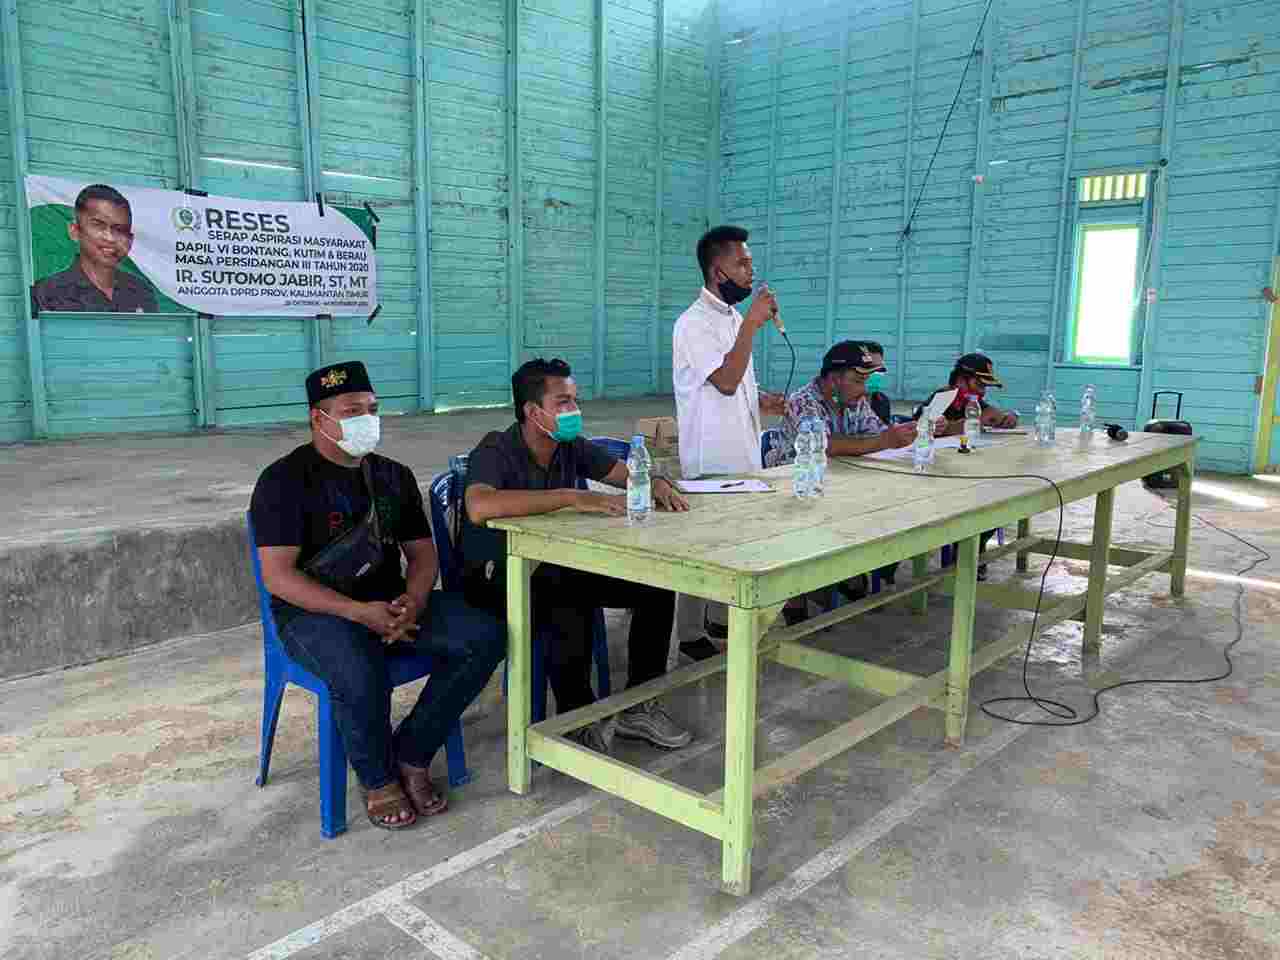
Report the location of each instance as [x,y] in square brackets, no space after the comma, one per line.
[519,672]
[958,663]
[1099,555]
[739,750]
[1024,530]
[920,570]
[1181,533]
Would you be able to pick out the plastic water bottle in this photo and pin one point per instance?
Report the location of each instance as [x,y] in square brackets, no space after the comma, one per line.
[922,449]
[802,469]
[973,423]
[819,457]
[1088,413]
[1046,420]
[639,484]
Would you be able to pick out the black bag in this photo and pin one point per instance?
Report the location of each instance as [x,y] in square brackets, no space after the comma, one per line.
[1165,479]
[359,551]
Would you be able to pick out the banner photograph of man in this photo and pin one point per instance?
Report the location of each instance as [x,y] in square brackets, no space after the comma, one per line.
[102,229]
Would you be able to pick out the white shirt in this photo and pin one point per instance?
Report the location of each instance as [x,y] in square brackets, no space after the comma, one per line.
[718,434]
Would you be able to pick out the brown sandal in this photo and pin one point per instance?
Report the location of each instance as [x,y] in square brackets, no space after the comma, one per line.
[392,802]
[422,793]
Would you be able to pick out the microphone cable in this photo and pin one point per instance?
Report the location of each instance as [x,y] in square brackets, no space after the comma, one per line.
[1068,716]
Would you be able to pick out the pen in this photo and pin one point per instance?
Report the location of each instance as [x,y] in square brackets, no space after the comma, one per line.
[736,483]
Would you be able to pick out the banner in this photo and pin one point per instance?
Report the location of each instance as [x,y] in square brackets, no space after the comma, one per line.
[121,249]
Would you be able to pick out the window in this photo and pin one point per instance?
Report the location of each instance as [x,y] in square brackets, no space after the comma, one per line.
[1108,270]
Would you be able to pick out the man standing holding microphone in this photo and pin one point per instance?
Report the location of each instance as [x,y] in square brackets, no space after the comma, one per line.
[719,405]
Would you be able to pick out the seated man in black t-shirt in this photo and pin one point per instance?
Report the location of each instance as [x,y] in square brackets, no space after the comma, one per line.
[534,467]
[973,374]
[313,497]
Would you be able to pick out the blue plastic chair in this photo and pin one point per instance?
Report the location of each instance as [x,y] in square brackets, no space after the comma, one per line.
[281,671]
[446,493]
[768,440]
[618,449]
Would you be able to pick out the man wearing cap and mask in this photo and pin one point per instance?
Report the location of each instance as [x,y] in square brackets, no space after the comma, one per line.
[838,397]
[534,467]
[331,521]
[972,375]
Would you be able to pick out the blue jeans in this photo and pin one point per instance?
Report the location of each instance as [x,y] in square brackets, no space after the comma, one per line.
[467,645]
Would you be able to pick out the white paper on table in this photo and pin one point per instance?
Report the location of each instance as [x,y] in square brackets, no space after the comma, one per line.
[905,453]
[727,485]
[939,404]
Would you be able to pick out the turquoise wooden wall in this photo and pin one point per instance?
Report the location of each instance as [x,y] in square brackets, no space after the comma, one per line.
[830,113]
[559,191]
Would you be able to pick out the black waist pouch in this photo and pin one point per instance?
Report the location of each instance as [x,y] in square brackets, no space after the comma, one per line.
[358,552]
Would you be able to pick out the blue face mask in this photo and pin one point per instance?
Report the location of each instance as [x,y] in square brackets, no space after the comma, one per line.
[568,427]
[875,382]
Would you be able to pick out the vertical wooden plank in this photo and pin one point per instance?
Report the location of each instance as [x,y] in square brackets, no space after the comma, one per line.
[765,374]
[1099,555]
[958,663]
[1024,530]
[425,332]
[519,672]
[1271,363]
[600,333]
[1181,532]
[1160,208]
[977,210]
[660,119]
[18,139]
[1067,201]
[739,751]
[515,213]
[714,50]
[838,145]
[919,570]
[904,243]
[304,46]
[199,386]
[184,98]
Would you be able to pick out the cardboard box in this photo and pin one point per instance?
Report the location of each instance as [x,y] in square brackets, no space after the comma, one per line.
[660,435]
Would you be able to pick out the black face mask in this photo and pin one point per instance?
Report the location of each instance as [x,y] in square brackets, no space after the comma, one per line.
[731,292]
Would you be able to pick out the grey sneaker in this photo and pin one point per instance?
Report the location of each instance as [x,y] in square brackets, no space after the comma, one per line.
[651,722]
[596,736]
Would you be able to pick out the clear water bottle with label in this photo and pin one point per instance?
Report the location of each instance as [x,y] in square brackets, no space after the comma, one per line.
[802,468]
[922,449]
[639,484]
[1046,420]
[973,423]
[819,457]
[1088,413]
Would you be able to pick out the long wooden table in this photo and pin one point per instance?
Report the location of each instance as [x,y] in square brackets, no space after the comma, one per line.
[756,551]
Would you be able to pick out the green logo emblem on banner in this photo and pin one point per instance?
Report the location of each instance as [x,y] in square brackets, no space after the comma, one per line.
[184,218]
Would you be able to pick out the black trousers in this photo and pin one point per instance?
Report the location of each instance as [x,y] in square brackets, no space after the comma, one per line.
[564,604]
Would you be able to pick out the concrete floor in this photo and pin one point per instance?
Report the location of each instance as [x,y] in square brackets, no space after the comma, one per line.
[130,826]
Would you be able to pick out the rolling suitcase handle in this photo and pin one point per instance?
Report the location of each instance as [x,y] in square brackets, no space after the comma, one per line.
[1155,397]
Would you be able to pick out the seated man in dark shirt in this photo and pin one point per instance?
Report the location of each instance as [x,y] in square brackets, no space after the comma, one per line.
[308,500]
[973,374]
[103,230]
[881,406]
[533,467]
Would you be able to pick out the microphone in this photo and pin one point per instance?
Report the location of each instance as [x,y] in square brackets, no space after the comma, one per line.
[777,313]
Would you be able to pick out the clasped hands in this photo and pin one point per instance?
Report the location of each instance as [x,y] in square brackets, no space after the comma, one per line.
[394,622]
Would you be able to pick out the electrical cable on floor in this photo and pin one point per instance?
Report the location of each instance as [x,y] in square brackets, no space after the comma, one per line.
[1066,715]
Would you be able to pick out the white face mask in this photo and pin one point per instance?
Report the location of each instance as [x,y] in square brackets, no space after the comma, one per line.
[360,435]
